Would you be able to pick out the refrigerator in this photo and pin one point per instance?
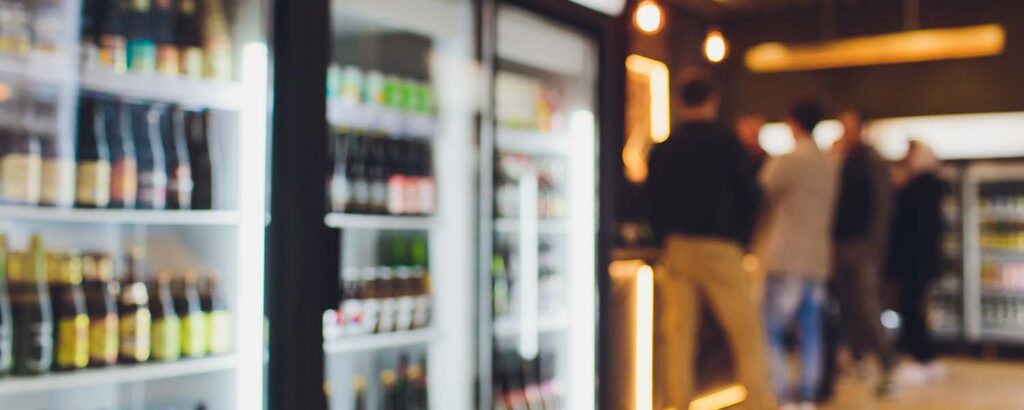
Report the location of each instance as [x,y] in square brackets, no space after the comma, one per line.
[398,123]
[133,165]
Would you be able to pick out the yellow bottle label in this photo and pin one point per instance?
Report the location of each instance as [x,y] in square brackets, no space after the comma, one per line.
[167,339]
[193,335]
[21,174]
[135,338]
[55,185]
[218,332]
[103,340]
[92,186]
[73,342]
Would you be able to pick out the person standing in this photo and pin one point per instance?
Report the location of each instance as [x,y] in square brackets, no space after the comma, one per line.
[703,201]
[795,250]
[915,256]
[862,223]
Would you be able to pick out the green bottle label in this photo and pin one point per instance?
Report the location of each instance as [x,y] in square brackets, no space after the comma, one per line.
[73,342]
[167,339]
[193,335]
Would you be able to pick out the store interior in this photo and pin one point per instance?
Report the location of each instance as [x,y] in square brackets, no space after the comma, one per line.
[440,204]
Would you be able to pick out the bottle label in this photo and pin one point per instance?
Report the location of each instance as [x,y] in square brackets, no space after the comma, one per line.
[92,184]
[55,183]
[426,195]
[352,312]
[378,195]
[103,339]
[20,175]
[114,52]
[193,334]
[153,189]
[180,186]
[135,338]
[124,182]
[341,193]
[6,344]
[388,315]
[405,313]
[168,59]
[360,192]
[371,316]
[192,62]
[73,342]
[167,338]
[142,55]
[397,198]
[218,332]
[46,26]
[421,318]
[36,354]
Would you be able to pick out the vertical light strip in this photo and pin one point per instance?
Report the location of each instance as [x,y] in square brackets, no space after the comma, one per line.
[721,399]
[529,269]
[657,74]
[644,356]
[581,346]
[252,145]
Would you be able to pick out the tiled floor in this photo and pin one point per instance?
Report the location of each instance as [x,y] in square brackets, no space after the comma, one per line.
[969,385]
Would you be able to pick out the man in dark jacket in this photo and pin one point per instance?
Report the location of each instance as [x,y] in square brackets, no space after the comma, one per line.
[704,200]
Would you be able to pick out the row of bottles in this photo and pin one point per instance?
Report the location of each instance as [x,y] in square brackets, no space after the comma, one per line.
[505,273]
[1002,311]
[172,37]
[1002,236]
[128,154]
[374,174]
[392,297]
[522,384]
[401,388]
[529,103]
[550,173]
[379,102]
[1000,200]
[35,25]
[64,311]
[1005,276]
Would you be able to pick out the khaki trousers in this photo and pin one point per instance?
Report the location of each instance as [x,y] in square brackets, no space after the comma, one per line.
[692,269]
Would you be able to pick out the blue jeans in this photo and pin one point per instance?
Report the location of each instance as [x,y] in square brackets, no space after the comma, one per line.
[788,299]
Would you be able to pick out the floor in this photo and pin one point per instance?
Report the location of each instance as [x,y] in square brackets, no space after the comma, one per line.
[969,385]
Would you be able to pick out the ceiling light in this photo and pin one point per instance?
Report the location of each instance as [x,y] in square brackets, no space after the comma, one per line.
[715,47]
[648,17]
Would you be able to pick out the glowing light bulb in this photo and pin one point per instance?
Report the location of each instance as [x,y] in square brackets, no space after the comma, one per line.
[649,17]
[715,47]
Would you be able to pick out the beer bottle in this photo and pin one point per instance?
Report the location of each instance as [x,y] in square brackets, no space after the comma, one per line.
[179,167]
[56,187]
[101,293]
[218,318]
[135,320]
[71,347]
[389,382]
[377,175]
[217,43]
[189,38]
[149,154]
[340,188]
[15,34]
[359,385]
[6,328]
[21,159]
[124,169]
[166,326]
[92,159]
[190,312]
[357,174]
[112,20]
[30,307]
[168,60]
[416,396]
[141,43]
[200,158]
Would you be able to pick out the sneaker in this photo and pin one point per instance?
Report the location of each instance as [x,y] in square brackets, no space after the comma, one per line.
[790,406]
[935,371]
[807,406]
[912,374]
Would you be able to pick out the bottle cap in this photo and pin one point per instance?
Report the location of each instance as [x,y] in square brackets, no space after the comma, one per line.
[388,377]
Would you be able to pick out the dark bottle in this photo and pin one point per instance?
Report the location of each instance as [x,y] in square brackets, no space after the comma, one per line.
[92,158]
[179,168]
[201,159]
[188,34]
[112,17]
[6,327]
[90,32]
[340,188]
[402,382]
[166,331]
[389,383]
[71,322]
[377,175]
[141,37]
[218,318]
[168,59]
[124,170]
[135,320]
[20,164]
[56,187]
[149,154]
[398,197]
[357,174]
[101,294]
[425,192]
[359,386]
[416,394]
[193,321]
[15,33]
[31,309]
[217,43]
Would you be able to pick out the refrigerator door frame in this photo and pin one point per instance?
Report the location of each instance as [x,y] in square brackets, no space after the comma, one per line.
[609,34]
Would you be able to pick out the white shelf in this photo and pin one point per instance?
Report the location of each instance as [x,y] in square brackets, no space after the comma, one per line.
[436,19]
[347,344]
[118,216]
[544,226]
[508,326]
[222,95]
[54,69]
[997,334]
[115,375]
[532,142]
[381,222]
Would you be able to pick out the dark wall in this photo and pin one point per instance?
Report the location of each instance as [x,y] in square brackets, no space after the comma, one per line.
[990,84]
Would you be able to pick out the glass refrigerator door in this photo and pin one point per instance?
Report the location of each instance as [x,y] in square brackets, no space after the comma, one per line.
[400,106]
[994,301]
[132,156]
[539,340]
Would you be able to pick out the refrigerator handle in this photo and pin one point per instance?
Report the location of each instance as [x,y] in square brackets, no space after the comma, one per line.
[529,270]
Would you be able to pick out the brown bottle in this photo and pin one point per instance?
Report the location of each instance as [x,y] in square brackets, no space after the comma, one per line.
[218,318]
[190,312]
[166,332]
[101,293]
[133,311]
[71,322]
[31,309]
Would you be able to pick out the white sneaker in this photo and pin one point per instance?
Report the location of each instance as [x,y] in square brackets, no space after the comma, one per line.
[807,406]
[911,374]
[935,371]
[790,406]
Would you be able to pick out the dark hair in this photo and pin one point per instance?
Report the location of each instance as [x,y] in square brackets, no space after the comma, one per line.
[807,114]
[695,91]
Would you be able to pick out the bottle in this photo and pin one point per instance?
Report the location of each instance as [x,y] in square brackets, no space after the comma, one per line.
[389,384]
[189,38]
[416,395]
[101,294]
[398,179]
[359,386]
[141,37]
[149,154]
[31,310]
[56,186]
[218,317]
[387,300]
[92,158]
[168,58]
[123,166]
[190,312]
[201,161]
[89,33]
[21,159]
[351,306]
[402,383]
[371,301]
[425,179]
[46,25]
[135,319]
[179,168]
[15,32]
[377,175]
[217,43]
[71,346]
[421,282]
[357,174]
[166,329]
[6,326]
[112,27]
[340,188]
